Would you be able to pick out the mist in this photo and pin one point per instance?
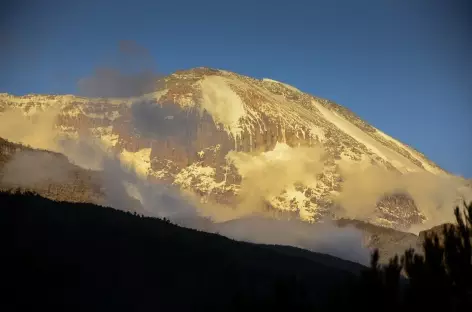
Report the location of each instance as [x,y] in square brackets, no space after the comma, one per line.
[326,237]
[85,151]
[264,176]
[132,73]
[36,130]
[434,195]
[27,168]
[185,209]
[126,190]
[267,175]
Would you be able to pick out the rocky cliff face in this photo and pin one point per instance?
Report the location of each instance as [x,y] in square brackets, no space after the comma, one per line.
[210,130]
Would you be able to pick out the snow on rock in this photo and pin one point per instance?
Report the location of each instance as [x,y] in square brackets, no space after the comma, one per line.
[263,141]
[139,160]
[281,83]
[200,178]
[398,161]
[222,103]
[273,176]
[414,153]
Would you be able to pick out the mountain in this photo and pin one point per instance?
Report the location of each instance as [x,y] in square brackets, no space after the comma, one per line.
[52,176]
[239,141]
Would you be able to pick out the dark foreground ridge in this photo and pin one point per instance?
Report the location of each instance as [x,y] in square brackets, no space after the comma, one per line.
[82,257]
[77,256]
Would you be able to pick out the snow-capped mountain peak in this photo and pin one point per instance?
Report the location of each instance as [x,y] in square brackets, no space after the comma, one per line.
[236,140]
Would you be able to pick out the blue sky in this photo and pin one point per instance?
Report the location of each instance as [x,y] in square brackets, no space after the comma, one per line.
[403,66]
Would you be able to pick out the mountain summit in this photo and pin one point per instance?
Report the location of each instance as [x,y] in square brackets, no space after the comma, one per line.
[242,142]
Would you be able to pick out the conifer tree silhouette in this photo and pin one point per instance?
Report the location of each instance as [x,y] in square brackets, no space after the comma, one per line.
[440,279]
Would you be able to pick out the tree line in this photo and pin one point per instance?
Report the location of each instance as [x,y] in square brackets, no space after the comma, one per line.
[439,279]
[78,256]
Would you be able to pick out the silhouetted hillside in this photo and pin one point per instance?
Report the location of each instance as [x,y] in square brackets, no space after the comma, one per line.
[76,256]
[47,173]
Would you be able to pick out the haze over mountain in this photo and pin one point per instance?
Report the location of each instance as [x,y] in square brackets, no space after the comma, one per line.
[237,148]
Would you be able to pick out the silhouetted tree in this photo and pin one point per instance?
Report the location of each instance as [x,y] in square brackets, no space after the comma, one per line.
[439,279]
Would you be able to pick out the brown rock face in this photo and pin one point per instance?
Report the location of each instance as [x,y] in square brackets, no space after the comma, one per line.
[399,209]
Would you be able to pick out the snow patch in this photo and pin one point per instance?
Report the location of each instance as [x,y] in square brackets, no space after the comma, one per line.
[198,177]
[133,191]
[110,139]
[139,161]
[222,103]
[105,134]
[317,133]
[164,172]
[271,176]
[184,100]
[283,84]
[400,162]
[412,152]
[158,94]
